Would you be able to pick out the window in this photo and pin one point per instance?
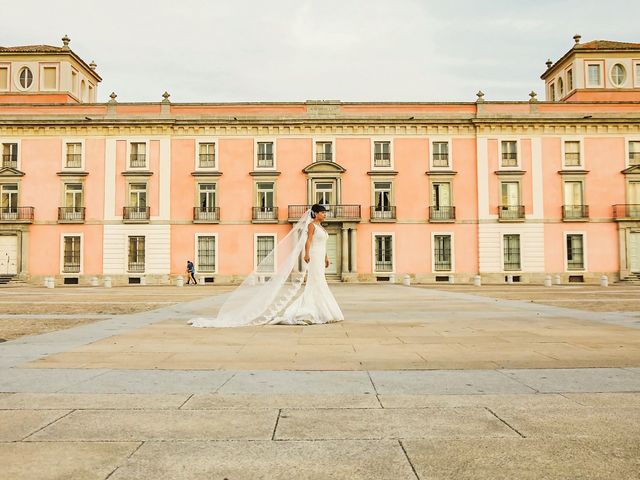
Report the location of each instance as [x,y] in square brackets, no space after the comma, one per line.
[74,155]
[265,155]
[618,75]
[323,193]
[573,200]
[90,95]
[572,154]
[50,78]
[634,152]
[560,88]
[510,208]
[10,155]
[207,253]
[324,152]
[593,75]
[440,154]
[265,192]
[575,252]
[9,200]
[71,254]
[74,82]
[136,254]
[265,245]
[512,252]
[382,207]
[382,154]
[72,209]
[442,252]
[207,155]
[552,92]
[637,67]
[569,80]
[509,153]
[137,209]
[25,78]
[383,253]
[4,78]
[206,209]
[441,208]
[138,157]
[83,91]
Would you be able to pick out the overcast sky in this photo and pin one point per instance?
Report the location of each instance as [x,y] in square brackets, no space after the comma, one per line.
[294,50]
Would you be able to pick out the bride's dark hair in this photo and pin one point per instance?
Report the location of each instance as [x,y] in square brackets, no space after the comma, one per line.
[317,208]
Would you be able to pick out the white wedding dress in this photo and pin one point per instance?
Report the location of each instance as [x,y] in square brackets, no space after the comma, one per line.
[275,293]
[316,304]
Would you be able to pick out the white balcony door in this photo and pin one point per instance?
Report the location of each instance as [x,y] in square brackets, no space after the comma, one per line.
[511,194]
[573,193]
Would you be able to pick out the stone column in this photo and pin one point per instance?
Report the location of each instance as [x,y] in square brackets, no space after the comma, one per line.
[354,251]
[345,249]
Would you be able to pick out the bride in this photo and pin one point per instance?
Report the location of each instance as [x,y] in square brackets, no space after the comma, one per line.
[274,301]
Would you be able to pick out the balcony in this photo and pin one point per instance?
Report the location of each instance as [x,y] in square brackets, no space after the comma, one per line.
[634,158]
[136,214]
[206,214]
[207,160]
[9,161]
[138,160]
[442,214]
[335,213]
[441,160]
[511,213]
[383,266]
[70,214]
[575,212]
[16,214]
[382,159]
[627,211]
[264,214]
[74,160]
[265,160]
[383,214]
[324,156]
[135,267]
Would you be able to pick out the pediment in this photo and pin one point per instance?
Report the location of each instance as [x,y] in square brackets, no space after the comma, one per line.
[632,170]
[10,172]
[323,167]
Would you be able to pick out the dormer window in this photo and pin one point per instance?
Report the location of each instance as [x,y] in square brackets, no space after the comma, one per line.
[552,92]
[25,77]
[4,78]
[618,75]
[594,75]
[569,80]
[560,88]
[637,67]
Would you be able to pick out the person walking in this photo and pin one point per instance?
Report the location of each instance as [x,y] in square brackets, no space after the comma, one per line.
[191,271]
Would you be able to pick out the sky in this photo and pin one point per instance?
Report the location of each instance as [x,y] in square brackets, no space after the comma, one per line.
[295,50]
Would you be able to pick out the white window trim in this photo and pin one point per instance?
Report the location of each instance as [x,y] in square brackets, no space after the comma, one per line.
[65,141]
[393,252]
[625,66]
[255,153]
[635,73]
[255,252]
[433,140]
[626,149]
[126,253]
[374,140]
[502,235]
[586,73]
[584,250]
[332,140]
[196,159]
[518,165]
[565,75]
[561,92]
[34,70]
[195,249]
[392,189]
[19,142]
[75,86]
[147,159]
[582,165]
[202,181]
[255,191]
[433,253]
[41,77]
[6,65]
[62,237]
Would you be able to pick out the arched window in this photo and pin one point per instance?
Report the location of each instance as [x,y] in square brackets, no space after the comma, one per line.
[83,91]
[618,75]
[560,88]
[25,77]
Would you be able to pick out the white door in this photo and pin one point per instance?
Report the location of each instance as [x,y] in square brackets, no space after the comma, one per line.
[8,254]
[634,252]
[634,199]
[332,253]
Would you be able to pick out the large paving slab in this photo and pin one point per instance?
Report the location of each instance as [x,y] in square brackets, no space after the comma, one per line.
[16,425]
[112,401]
[299,383]
[278,401]
[325,460]
[578,380]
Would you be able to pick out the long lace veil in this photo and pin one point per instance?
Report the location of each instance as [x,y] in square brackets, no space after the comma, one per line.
[271,285]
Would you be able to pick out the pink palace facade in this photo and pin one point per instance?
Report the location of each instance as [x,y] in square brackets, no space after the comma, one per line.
[511,190]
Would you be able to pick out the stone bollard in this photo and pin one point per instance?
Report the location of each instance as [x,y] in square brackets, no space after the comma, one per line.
[547,280]
[604,281]
[107,282]
[477,281]
[556,280]
[179,281]
[45,282]
[94,281]
[510,279]
[406,280]
[452,279]
[143,280]
[50,283]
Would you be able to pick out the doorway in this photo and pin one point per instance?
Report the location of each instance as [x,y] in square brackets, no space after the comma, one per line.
[8,254]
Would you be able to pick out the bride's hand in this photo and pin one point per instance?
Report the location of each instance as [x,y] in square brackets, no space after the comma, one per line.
[307,258]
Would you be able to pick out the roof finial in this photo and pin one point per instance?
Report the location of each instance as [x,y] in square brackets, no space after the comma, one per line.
[533,97]
[93,65]
[576,38]
[65,42]
[113,97]
[548,63]
[166,96]
[480,96]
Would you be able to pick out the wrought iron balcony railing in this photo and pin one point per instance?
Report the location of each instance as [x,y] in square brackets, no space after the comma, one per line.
[16,214]
[138,160]
[324,156]
[384,266]
[575,212]
[440,159]
[136,267]
[628,211]
[442,214]
[265,160]
[511,212]
[9,161]
[265,214]
[334,212]
[206,214]
[71,214]
[382,159]
[136,214]
[207,160]
[74,160]
[385,213]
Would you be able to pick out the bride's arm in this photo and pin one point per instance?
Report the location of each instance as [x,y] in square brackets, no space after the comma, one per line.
[307,246]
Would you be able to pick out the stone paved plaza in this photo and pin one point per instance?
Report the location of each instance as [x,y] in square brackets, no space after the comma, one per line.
[418,383]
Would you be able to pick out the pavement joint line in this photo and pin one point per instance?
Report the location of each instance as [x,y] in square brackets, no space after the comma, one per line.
[563,395]
[502,372]
[48,424]
[373,384]
[503,421]
[225,382]
[125,460]
[90,379]
[406,455]
[189,397]
[275,427]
